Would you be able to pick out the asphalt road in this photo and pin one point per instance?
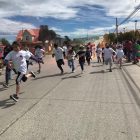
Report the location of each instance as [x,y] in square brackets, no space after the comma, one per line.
[73,106]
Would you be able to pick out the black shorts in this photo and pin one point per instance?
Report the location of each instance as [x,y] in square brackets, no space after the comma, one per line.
[40,60]
[20,77]
[60,62]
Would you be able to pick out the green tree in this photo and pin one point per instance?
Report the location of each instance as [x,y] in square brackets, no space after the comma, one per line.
[46,34]
[112,37]
[51,34]
[4,41]
[67,40]
[43,33]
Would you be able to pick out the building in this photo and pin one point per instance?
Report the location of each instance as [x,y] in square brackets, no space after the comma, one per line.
[29,38]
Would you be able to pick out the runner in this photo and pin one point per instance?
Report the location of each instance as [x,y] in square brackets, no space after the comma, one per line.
[108,53]
[88,55]
[119,55]
[70,57]
[98,52]
[81,56]
[8,70]
[18,58]
[59,55]
[39,53]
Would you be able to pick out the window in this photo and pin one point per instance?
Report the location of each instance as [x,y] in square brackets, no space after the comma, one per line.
[27,38]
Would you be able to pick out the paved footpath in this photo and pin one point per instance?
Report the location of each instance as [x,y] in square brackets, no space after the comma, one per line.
[74,106]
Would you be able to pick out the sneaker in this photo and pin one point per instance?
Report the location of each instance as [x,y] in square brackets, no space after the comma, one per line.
[73,71]
[110,70]
[14,97]
[33,74]
[5,85]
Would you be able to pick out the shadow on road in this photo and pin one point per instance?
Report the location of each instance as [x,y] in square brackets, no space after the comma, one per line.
[127,64]
[97,66]
[2,89]
[74,76]
[96,72]
[53,75]
[6,103]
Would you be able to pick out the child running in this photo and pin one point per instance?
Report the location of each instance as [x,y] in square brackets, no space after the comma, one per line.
[39,53]
[108,53]
[59,55]
[18,58]
[70,57]
[81,56]
[98,52]
[119,55]
[88,55]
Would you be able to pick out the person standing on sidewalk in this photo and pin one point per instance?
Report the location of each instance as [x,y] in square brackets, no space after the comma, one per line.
[59,55]
[18,58]
[108,53]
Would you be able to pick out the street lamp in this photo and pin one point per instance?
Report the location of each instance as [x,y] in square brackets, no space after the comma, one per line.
[135,27]
[124,30]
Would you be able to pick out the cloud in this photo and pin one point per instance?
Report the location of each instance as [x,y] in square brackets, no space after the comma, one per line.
[56,29]
[12,27]
[99,13]
[62,9]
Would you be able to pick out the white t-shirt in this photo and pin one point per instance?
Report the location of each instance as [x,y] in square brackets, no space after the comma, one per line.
[29,53]
[65,50]
[119,53]
[19,60]
[58,53]
[108,53]
[98,51]
[39,52]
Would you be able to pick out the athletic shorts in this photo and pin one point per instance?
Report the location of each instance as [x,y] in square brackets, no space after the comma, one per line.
[40,60]
[109,60]
[60,62]
[20,77]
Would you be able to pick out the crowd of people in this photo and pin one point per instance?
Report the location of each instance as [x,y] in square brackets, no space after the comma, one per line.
[18,60]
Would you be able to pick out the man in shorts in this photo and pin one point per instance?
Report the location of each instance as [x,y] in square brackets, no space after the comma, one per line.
[108,53]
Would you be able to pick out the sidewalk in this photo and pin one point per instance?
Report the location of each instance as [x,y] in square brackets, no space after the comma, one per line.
[133,73]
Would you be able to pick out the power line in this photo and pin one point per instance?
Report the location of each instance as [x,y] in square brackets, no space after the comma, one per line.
[133,12]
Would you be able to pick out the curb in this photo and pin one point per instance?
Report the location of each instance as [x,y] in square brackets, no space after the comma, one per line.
[125,71]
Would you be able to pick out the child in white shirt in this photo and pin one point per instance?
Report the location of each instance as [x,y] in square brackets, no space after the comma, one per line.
[18,58]
[119,55]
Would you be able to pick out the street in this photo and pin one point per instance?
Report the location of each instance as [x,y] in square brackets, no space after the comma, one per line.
[95,105]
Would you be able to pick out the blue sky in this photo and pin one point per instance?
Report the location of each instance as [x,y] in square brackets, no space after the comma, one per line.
[74,18]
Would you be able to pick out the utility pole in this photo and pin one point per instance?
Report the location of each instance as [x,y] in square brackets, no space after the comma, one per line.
[135,27]
[117,29]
